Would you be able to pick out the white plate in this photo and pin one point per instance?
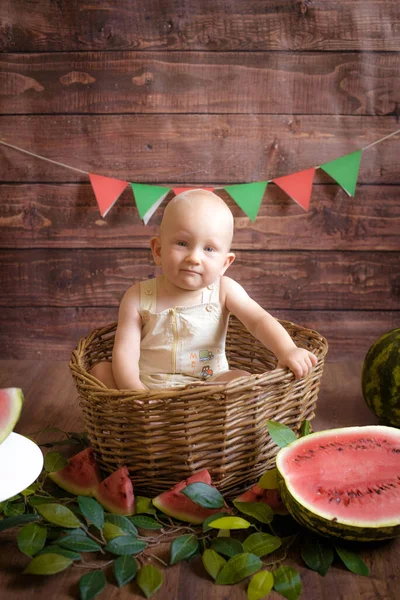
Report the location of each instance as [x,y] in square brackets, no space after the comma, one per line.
[21,462]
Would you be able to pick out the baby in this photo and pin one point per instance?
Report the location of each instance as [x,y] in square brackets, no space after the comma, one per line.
[171,329]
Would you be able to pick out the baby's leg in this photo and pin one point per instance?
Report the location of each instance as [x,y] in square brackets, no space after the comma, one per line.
[232,374]
[103,372]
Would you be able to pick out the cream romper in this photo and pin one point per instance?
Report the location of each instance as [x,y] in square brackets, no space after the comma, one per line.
[184,344]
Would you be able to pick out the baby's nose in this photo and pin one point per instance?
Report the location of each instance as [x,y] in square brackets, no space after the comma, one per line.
[193,256]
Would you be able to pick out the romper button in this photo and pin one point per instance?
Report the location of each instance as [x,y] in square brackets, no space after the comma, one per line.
[148,292]
[210,287]
[209,307]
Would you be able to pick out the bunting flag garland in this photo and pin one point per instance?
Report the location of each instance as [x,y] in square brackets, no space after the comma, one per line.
[344,171]
[298,186]
[248,196]
[146,196]
[107,191]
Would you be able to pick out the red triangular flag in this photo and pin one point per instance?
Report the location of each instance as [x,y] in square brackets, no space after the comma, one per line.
[298,186]
[107,191]
[180,190]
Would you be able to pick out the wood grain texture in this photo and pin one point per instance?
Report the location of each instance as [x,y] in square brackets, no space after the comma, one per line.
[186,24]
[200,82]
[294,280]
[50,400]
[67,216]
[217,149]
[48,332]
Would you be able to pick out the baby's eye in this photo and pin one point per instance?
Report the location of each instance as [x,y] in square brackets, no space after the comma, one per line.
[209,249]
[181,243]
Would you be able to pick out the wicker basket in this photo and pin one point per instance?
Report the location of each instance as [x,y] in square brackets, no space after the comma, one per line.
[164,436]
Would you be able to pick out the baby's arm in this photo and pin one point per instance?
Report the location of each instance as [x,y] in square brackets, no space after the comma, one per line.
[126,352]
[266,329]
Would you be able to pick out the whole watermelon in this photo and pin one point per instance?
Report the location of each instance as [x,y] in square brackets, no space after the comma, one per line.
[381,378]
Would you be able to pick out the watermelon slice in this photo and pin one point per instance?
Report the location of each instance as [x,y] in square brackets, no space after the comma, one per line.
[11,401]
[81,476]
[270,497]
[115,493]
[177,505]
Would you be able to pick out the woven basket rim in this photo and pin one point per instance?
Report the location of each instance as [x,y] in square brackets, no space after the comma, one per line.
[96,386]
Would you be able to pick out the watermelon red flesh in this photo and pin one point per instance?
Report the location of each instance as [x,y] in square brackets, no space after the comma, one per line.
[259,494]
[11,401]
[115,493]
[351,476]
[81,476]
[175,504]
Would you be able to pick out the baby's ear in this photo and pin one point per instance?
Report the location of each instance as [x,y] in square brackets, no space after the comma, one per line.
[155,245]
[230,257]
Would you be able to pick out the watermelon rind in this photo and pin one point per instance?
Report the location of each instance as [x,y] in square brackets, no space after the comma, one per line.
[380,378]
[307,515]
[14,398]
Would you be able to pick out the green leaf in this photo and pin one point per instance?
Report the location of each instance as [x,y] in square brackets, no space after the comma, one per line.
[54,549]
[281,434]
[260,511]
[38,500]
[149,579]
[317,553]
[31,539]
[79,543]
[305,428]
[59,515]
[287,582]
[352,561]
[29,491]
[13,509]
[145,522]
[144,505]
[230,523]
[16,521]
[125,569]
[214,517]
[54,461]
[237,568]
[125,544]
[205,495]
[92,511]
[48,564]
[261,544]
[92,584]
[269,481]
[260,585]
[212,562]
[227,546]
[123,522]
[183,547]
[111,531]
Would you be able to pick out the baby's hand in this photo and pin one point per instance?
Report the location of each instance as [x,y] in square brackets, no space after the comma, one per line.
[299,360]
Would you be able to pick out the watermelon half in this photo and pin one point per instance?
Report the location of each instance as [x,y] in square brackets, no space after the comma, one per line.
[344,482]
[11,401]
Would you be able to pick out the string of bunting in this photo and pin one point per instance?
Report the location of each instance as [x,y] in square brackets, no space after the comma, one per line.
[248,196]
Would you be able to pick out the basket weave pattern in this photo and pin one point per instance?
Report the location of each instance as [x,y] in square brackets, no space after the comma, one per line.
[163,436]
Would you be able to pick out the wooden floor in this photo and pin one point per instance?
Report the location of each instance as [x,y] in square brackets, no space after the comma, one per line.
[50,400]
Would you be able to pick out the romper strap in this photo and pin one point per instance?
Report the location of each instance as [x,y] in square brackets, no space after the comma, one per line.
[148,295]
[213,295]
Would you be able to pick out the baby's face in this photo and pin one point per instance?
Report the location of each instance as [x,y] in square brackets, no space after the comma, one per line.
[193,246]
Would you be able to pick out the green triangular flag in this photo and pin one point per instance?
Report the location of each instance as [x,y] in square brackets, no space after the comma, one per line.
[147,195]
[344,171]
[248,196]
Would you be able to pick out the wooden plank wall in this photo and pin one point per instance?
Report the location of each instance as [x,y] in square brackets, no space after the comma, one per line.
[198,93]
